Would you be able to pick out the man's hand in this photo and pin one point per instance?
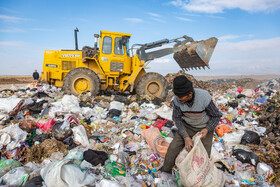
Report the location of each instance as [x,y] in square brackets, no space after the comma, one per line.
[188,143]
[203,133]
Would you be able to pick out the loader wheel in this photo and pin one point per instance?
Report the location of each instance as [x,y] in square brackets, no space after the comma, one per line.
[152,84]
[80,80]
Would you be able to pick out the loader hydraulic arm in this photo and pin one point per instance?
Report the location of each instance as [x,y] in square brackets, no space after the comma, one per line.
[147,56]
[188,53]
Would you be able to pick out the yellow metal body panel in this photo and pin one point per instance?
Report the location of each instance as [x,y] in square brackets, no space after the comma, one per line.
[106,59]
[112,63]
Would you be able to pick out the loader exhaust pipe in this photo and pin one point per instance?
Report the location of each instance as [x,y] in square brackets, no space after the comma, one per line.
[76,39]
[96,36]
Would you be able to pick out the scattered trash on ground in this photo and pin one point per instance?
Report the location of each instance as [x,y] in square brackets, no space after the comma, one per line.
[53,139]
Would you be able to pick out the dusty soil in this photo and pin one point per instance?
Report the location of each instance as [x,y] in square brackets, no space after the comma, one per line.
[15,79]
[256,77]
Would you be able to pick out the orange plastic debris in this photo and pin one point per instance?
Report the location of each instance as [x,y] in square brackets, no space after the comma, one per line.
[222,129]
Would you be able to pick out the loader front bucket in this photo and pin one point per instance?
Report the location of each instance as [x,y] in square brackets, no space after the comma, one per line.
[196,54]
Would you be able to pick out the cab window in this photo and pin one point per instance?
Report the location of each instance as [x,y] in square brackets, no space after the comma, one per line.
[119,48]
[107,45]
[127,46]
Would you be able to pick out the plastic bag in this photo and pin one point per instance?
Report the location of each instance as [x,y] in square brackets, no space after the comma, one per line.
[4,118]
[7,104]
[7,165]
[65,173]
[165,112]
[114,112]
[264,169]
[55,156]
[46,126]
[71,103]
[245,156]
[61,130]
[80,135]
[232,139]
[165,180]
[133,146]
[261,100]
[33,169]
[261,130]
[222,129]
[197,170]
[151,116]
[117,105]
[15,177]
[155,140]
[75,154]
[107,183]
[12,136]
[215,155]
[219,146]
[250,137]
[115,168]
[95,157]
[129,181]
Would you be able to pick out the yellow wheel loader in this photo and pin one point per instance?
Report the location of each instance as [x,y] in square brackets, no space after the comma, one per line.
[112,65]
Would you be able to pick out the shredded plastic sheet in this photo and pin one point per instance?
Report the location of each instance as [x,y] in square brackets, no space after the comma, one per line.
[7,104]
[12,136]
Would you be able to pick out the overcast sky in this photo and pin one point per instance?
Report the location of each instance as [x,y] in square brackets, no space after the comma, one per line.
[248,30]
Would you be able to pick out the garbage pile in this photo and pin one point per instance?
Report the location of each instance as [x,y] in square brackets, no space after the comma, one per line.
[52,139]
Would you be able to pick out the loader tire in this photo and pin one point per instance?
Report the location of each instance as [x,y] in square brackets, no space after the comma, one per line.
[80,80]
[152,84]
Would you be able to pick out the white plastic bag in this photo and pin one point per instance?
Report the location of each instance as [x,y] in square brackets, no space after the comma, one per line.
[3,118]
[108,183]
[264,169]
[232,139]
[71,103]
[15,177]
[75,154]
[32,168]
[116,105]
[8,104]
[80,135]
[11,136]
[197,170]
[165,112]
[64,173]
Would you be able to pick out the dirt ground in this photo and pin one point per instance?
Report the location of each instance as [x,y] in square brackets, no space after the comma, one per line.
[15,79]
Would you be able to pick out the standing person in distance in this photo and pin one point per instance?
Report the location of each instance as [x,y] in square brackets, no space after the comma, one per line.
[36,75]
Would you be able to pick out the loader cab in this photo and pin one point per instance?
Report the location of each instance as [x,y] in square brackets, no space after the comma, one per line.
[114,53]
